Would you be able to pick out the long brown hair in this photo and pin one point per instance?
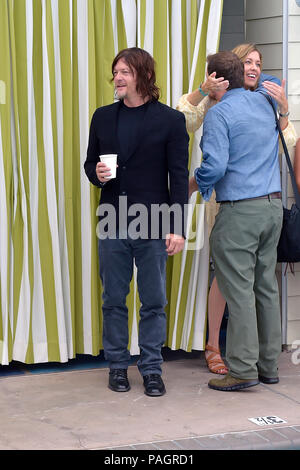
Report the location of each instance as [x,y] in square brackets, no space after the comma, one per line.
[243,50]
[141,62]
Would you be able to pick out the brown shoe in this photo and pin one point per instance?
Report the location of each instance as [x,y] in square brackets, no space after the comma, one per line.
[231,384]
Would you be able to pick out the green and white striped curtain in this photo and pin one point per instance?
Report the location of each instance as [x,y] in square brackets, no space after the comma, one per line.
[55,70]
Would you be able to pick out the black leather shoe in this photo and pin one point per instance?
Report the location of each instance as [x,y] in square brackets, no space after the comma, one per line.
[268,380]
[154,386]
[118,381]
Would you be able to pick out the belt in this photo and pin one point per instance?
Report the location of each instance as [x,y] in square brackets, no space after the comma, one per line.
[267,196]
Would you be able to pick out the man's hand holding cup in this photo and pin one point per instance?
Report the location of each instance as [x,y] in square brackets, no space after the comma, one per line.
[106,168]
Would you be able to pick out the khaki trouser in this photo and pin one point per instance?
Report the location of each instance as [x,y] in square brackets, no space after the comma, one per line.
[243,247]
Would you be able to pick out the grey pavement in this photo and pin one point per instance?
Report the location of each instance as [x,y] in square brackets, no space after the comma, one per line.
[73,409]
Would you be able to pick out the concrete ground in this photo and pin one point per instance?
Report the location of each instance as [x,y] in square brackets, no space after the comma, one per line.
[72,408]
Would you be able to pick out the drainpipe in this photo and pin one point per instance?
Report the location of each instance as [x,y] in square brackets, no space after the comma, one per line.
[285,43]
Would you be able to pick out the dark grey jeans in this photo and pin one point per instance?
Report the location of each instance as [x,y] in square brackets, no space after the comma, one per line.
[117,257]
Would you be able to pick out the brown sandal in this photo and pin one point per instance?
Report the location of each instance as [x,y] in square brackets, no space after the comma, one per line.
[214,361]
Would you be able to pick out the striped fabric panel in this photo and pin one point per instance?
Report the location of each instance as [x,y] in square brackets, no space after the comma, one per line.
[6,189]
[189,285]
[56,71]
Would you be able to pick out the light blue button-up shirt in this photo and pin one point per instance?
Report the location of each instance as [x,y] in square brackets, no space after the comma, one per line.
[240,148]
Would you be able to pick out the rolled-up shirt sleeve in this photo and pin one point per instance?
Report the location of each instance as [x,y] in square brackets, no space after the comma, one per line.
[215,153]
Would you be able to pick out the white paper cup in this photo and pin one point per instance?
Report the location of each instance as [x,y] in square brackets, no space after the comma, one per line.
[111,161]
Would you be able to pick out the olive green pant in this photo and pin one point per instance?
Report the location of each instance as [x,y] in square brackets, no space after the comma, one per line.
[243,247]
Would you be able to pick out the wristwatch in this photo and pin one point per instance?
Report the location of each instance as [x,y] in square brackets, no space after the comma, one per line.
[283,114]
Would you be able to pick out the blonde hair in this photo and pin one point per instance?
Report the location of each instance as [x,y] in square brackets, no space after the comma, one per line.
[243,50]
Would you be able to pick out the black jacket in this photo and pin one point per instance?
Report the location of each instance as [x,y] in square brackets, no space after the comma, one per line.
[156,172]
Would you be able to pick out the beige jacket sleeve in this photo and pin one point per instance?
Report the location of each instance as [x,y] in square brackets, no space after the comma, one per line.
[194,115]
[290,136]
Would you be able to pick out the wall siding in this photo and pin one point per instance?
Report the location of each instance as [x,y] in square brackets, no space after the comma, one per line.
[264,31]
[293,283]
[233,24]
[257,9]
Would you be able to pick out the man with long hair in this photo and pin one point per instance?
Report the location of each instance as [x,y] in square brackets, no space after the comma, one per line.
[240,161]
[151,143]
